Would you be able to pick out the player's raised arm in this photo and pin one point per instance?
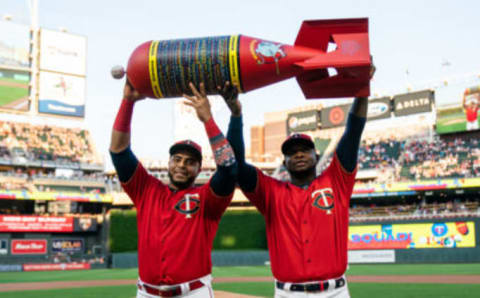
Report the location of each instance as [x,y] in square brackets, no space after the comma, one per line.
[247,174]
[347,149]
[223,181]
[122,157]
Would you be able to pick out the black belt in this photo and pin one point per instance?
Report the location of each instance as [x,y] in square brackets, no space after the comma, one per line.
[312,287]
[174,291]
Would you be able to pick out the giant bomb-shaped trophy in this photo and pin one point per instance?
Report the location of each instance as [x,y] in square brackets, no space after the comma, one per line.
[330,58]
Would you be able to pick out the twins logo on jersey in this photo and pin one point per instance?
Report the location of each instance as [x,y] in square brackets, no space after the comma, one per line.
[323,199]
[188,205]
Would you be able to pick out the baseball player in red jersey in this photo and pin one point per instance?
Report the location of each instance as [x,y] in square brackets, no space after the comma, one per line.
[471,107]
[307,218]
[176,222]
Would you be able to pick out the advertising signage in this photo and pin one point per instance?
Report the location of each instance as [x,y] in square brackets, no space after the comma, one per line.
[412,236]
[379,108]
[67,245]
[61,94]
[15,223]
[302,121]
[413,103]
[53,224]
[56,267]
[335,116]
[29,246]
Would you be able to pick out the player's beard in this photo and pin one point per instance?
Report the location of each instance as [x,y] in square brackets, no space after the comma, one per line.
[181,185]
[301,175]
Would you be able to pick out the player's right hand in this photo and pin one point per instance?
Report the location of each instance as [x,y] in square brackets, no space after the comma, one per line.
[229,92]
[129,93]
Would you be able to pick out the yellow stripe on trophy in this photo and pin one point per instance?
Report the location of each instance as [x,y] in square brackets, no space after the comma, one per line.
[233,61]
[152,69]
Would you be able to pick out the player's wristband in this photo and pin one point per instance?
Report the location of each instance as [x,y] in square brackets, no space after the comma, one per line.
[124,116]
[222,151]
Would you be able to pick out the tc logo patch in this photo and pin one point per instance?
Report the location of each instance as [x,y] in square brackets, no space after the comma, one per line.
[188,205]
[323,199]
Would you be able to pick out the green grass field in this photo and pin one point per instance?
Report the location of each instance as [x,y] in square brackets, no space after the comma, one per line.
[262,289]
[9,94]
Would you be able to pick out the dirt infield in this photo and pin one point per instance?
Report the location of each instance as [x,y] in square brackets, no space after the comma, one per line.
[222,294]
[14,84]
[443,279]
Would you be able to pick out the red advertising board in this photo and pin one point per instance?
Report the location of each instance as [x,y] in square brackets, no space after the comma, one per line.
[53,267]
[15,223]
[29,247]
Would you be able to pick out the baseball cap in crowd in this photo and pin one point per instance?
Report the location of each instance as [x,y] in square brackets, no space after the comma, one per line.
[297,138]
[189,146]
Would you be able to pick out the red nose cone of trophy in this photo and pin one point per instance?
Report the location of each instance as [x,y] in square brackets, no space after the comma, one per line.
[138,70]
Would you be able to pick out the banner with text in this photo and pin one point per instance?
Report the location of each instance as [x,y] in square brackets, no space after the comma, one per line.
[413,103]
[67,245]
[53,267]
[15,223]
[302,121]
[421,235]
[29,246]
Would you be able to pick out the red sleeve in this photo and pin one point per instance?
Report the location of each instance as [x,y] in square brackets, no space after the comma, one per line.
[215,205]
[342,180]
[259,197]
[138,185]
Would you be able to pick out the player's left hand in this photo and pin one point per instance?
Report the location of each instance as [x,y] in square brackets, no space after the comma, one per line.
[199,102]
[229,92]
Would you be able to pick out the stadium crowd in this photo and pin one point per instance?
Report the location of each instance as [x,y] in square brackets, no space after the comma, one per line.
[417,159]
[46,143]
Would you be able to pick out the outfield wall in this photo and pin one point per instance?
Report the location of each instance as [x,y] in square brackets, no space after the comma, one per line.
[39,251]
[219,258]
[233,249]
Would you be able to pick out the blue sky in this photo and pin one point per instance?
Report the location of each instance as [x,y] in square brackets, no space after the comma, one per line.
[413,35]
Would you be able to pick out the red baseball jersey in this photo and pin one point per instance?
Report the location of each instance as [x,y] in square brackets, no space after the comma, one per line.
[471,114]
[175,228]
[307,229]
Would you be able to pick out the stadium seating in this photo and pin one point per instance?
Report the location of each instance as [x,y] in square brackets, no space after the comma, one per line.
[24,141]
[414,211]
[425,158]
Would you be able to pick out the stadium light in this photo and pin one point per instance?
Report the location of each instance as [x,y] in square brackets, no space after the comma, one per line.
[7,17]
[63,29]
